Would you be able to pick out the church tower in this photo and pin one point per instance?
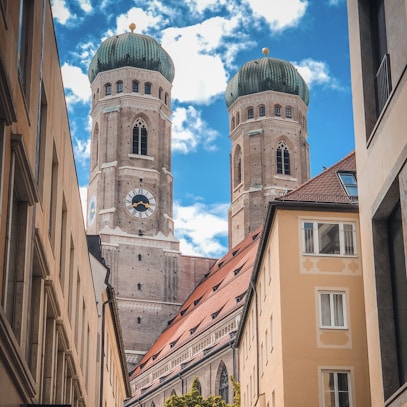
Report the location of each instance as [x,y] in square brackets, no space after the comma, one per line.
[267,101]
[130,193]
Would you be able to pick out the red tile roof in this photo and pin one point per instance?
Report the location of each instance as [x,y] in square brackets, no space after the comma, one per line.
[325,187]
[219,293]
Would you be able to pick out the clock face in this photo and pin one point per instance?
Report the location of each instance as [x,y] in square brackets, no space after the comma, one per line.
[92,211]
[140,202]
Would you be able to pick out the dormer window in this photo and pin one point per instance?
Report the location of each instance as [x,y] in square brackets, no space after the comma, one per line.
[349,183]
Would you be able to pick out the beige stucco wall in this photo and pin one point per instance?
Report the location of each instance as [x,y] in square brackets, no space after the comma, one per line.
[288,349]
[49,348]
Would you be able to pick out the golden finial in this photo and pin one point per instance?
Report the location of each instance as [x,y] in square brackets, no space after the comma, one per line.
[132,27]
[265,51]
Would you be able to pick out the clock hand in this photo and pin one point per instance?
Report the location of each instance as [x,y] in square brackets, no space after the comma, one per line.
[147,205]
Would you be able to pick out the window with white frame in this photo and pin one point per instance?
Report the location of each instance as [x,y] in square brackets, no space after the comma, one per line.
[329,238]
[336,388]
[332,309]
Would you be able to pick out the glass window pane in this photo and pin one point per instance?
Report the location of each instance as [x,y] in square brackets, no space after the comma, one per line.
[338,310]
[325,310]
[329,389]
[309,237]
[328,235]
[348,239]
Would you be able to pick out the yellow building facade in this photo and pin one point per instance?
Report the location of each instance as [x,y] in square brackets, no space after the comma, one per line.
[378,53]
[50,330]
[302,340]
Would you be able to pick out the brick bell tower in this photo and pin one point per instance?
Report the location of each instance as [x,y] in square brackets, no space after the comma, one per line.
[130,193]
[267,101]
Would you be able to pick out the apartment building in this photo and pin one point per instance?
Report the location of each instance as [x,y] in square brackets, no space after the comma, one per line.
[302,339]
[50,326]
[378,53]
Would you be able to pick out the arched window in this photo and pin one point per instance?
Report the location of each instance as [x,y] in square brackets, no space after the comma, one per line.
[198,386]
[283,159]
[108,89]
[160,93]
[288,112]
[262,111]
[237,166]
[166,99]
[139,320]
[232,123]
[223,378]
[119,86]
[147,88]
[95,146]
[140,137]
[134,86]
[250,113]
[237,118]
[277,110]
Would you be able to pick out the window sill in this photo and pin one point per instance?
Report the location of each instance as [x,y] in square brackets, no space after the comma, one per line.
[342,256]
[143,157]
[334,328]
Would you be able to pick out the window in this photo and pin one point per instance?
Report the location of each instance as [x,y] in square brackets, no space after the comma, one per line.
[119,87]
[283,159]
[336,388]
[232,123]
[288,113]
[108,89]
[166,99]
[237,166]
[332,310]
[24,43]
[147,88]
[262,111]
[41,142]
[348,180]
[224,383]
[140,138]
[329,238]
[237,118]
[250,113]
[22,195]
[277,110]
[160,93]
[134,86]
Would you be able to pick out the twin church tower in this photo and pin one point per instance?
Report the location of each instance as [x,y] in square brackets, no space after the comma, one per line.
[130,193]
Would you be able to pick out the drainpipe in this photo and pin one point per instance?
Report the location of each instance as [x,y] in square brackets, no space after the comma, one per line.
[257,337]
[102,345]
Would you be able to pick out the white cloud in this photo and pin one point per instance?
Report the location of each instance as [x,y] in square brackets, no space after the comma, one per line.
[200,228]
[77,84]
[279,14]
[143,20]
[200,74]
[85,5]
[189,131]
[60,11]
[316,72]
[81,149]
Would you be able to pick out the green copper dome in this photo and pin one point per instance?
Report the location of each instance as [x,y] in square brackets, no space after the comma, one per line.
[131,49]
[264,74]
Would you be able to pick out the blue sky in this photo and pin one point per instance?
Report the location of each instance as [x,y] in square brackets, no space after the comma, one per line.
[208,41]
